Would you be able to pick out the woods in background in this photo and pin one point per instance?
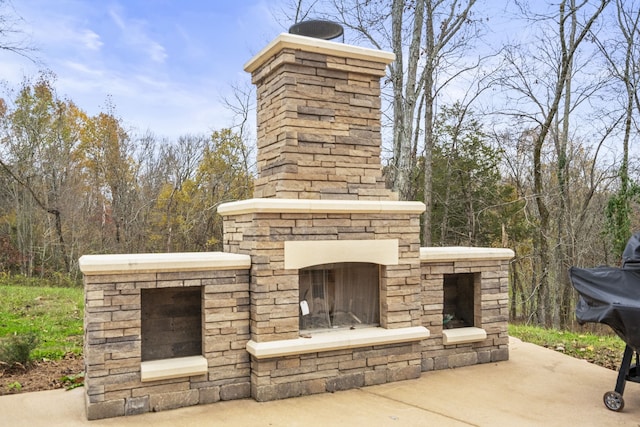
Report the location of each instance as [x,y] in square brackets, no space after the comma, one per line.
[521,142]
[71,184]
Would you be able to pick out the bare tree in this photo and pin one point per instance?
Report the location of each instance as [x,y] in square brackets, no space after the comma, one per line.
[622,57]
[241,103]
[544,95]
[12,37]
[429,39]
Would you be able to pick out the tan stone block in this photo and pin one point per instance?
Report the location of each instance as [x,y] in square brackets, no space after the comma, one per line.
[124,300]
[132,362]
[213,302]
[105,409]
[134,323]
[288,363]
[173,400]
[113,333]
[285,324]
[124,315]
[354,69]
[95,303]
[94,295]
[214,344]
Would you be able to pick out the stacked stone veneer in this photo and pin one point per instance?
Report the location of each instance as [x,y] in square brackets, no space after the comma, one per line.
[319,138]
[319,185]
[318,120]
[112,341]
[492,269]
[232,317]
[275,299]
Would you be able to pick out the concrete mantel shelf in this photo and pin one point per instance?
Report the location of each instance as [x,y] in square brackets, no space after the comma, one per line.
[310,44]
[274,205]
[462,253]
[336,340]
[178,367]
[463,335]
[162,262]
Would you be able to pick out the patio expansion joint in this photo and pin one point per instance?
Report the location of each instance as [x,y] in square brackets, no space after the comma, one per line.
[369,390]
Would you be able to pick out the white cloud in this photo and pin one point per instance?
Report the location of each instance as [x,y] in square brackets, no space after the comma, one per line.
[90,40]
[162,72]
[135,35]
[83,69]
[117,19]
[156,52]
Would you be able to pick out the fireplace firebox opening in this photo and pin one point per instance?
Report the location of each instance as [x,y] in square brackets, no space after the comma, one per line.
[171,322]
[461,300]
[339,295]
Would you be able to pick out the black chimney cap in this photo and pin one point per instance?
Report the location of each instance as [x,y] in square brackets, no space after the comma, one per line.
[318,29]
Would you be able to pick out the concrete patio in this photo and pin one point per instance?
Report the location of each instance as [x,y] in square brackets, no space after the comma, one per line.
[535,387]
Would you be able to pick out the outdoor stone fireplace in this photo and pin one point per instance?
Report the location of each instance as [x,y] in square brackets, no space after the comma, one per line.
[322,285]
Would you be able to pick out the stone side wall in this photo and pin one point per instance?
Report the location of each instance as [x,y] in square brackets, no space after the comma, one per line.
[319,127]
[331,371]
[274,290]
[113,343]
[494,313]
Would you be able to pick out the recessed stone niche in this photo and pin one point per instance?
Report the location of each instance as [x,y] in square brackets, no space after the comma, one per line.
[171,322]
[461,294]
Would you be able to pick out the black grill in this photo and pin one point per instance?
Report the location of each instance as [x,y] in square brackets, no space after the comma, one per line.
[611,296]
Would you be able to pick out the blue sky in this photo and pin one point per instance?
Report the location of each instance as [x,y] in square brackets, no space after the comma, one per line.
[165,64]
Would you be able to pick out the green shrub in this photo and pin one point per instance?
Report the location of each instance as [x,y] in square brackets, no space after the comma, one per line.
[18,348]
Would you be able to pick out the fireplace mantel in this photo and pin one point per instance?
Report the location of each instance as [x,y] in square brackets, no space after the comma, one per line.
[336,340]
[274,205]
[300,254]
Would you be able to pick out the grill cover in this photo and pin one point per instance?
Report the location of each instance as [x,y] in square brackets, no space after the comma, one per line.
[611,295]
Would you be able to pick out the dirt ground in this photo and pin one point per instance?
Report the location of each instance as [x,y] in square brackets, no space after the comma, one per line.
[41,375]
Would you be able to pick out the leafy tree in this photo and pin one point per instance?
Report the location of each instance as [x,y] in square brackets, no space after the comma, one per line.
[206,173]
[224,175]
[107,161]
[40,136]
[467,187]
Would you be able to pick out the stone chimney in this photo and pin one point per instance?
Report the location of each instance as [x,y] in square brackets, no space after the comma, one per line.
[319,120]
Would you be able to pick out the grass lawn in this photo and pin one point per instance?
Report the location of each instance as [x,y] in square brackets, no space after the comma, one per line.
[54,314]
[603,350]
